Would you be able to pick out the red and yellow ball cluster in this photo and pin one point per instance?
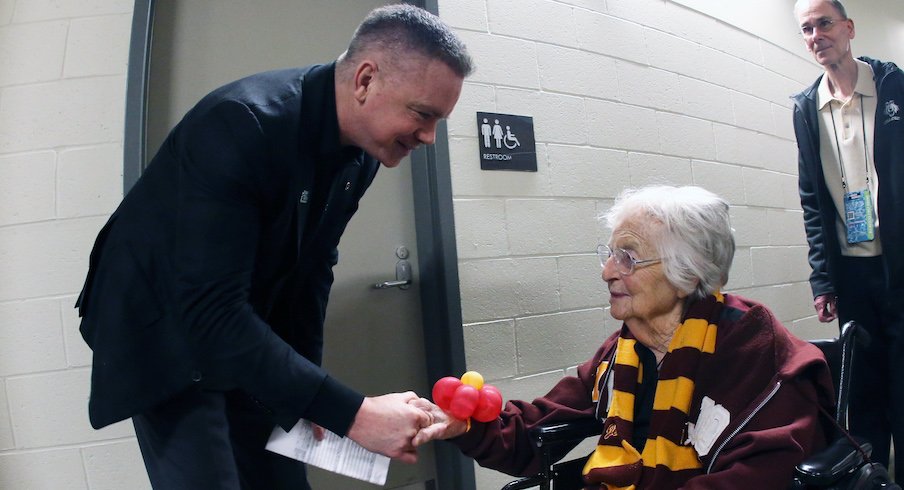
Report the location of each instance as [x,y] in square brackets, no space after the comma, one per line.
[468,396]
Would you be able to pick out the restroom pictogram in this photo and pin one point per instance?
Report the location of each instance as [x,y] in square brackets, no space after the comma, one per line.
[506,142]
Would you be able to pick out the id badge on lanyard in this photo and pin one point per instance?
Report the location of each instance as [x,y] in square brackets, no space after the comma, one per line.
[858,213]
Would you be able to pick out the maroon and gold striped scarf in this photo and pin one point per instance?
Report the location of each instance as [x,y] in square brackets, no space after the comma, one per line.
[616,464]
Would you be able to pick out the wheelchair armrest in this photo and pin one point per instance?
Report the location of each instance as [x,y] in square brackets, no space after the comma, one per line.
[526,482]
[574,430]
[552,440]
[832,463]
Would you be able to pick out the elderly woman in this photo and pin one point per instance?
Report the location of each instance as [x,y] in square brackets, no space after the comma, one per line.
[697,389]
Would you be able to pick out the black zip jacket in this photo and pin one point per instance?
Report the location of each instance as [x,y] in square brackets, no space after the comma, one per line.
[888,153]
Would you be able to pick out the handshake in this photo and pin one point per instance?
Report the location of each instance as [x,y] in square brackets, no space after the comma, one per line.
[396,424]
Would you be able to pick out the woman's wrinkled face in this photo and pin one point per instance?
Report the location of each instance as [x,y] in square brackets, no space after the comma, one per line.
[644,296]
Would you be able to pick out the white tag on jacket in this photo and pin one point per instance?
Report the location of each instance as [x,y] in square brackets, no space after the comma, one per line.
[712,421]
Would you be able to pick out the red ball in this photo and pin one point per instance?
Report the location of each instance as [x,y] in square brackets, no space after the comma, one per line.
[443,390]
[489,405]
[464,401]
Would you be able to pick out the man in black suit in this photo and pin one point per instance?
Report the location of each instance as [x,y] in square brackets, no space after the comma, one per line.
[207,288]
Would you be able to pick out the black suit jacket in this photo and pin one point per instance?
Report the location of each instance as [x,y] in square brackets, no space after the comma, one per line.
[217,265]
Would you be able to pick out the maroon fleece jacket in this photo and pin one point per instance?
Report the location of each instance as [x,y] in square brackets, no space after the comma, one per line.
[769,381]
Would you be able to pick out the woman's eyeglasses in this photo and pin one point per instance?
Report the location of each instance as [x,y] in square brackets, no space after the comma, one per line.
[624,263]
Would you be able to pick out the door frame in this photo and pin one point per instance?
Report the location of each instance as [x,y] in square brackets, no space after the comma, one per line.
[434,228]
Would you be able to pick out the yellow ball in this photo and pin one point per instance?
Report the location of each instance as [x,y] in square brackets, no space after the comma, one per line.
[472,378]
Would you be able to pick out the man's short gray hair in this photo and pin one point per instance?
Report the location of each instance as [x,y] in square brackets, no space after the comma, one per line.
[400,29]
[695,242]
[834,3]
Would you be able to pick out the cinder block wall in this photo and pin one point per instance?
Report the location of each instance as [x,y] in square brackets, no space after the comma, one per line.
[622,93]
[62,97]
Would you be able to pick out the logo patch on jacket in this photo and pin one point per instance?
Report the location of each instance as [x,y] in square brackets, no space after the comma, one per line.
[892,110]
[713,419]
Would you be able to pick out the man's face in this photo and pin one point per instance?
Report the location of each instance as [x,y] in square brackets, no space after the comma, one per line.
[401,105]
[826,34]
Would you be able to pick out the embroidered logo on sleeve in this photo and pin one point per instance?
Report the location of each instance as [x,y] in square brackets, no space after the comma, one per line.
[712,421]
[892,110]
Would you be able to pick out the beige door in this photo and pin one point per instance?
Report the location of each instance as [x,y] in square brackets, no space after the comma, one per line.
[373,337]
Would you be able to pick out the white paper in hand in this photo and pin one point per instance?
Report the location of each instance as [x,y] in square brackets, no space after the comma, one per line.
[337,454]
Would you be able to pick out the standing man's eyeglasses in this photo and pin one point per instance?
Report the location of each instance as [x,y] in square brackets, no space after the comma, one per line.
[624,263]
[822,25]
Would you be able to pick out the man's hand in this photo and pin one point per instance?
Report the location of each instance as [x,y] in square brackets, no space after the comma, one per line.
[387,424]
[825,307]
[442,426]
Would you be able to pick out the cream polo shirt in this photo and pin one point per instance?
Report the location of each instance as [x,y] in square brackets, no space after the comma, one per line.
[850,122]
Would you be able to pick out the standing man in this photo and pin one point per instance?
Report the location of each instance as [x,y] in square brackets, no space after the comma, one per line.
[850,138]
[205,297]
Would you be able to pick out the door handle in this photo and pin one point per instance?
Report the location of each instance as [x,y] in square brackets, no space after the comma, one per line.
[402,272]
[393,284]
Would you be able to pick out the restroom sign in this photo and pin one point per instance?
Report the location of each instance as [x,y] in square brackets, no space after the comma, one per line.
[506,142]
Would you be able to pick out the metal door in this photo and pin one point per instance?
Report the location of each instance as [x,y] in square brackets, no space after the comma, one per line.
[373,336]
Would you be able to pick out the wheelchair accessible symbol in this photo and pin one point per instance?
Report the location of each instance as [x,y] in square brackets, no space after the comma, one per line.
[507,142]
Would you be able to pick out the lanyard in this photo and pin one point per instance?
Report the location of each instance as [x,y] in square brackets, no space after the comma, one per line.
[838,145]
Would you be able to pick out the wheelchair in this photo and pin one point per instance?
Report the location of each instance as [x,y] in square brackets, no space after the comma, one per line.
[843,465]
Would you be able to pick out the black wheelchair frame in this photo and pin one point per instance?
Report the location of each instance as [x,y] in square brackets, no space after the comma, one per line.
[843,465]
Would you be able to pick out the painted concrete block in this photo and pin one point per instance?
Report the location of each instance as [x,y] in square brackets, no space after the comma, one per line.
[721,179]
[536,20]
[481,228]
[43,470]
[648,169]
[505,288]
[37,10]
[27,187]
[31,337]
[44,259]
[64,113]
[705,100]
[78,354]
[580,282]
[98,46]
[558,340]
[586,172]
[752,113]
[502,60]
[31,53]
[490,348]
[686,136]
[115,466]
[577,72]
[648,87]
[779,265]
[611,36]
[51,409]
[464,14]
[550,226]
[468,179]
[558,118]
[622,126]
[89,181]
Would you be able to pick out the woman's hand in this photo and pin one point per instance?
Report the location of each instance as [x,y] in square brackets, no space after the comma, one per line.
[442,426]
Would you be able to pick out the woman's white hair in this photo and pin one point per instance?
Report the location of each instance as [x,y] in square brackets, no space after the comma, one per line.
[695,242]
